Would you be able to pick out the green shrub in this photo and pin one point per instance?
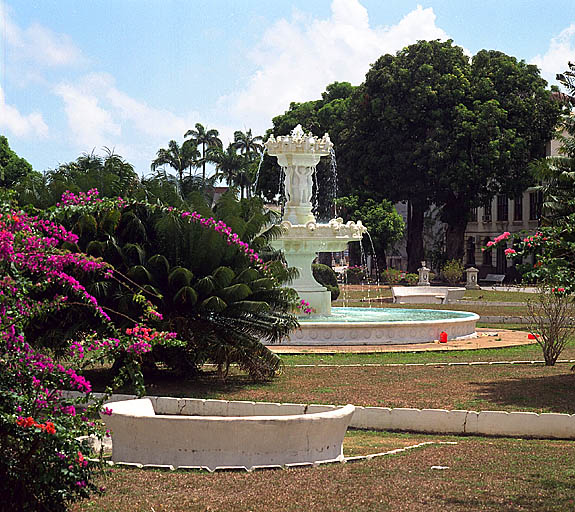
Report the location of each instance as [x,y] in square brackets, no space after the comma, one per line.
[355,275]
[327,277]
[452,271]
[391,276]
[411,279]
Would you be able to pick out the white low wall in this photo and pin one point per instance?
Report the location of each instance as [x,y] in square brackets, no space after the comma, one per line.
[426,294]
[217,433]
[438,421]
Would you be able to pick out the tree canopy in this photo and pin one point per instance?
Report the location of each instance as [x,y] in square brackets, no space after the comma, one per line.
[13,168]
[432,127]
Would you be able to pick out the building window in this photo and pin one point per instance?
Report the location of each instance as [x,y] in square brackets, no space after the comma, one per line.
[502,208]
[487,259]
[518,208]
[535,202]
[487,212]
[473,215]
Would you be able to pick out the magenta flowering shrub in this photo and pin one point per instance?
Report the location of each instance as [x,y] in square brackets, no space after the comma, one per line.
[547,256]
[303,307]
[44,465]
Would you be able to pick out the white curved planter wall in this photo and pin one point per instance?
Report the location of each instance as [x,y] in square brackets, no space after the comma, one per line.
[216,439]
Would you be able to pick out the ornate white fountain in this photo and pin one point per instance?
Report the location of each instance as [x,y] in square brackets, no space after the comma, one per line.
[298,154]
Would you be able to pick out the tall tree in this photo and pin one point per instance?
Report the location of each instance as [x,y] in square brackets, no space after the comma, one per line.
[430,127]
[177,157]
[228,163]
[205,138]
[247,144]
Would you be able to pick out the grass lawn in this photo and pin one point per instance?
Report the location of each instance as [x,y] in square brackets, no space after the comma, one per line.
[494,387]
[482,475]
[518,353]
[352,296]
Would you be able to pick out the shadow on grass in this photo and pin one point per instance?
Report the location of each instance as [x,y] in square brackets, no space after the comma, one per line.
[554,393]
[166,383]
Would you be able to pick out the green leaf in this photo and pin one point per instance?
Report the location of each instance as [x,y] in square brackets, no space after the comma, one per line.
[186,295]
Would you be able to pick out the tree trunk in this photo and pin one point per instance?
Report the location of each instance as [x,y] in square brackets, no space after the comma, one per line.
[415,253]
[455,215]
[455,239]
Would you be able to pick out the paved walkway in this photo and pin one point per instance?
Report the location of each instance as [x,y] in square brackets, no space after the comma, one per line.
[487,338]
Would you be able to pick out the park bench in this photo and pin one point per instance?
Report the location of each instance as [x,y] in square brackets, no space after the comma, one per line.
[493,278]
[426,294]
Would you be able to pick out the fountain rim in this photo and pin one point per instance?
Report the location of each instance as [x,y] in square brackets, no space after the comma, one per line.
[471,317]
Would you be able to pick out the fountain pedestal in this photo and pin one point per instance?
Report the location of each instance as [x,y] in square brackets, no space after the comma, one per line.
[298,154]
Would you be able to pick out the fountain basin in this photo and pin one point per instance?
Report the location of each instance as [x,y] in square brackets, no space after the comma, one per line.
[383,326]
[139,435]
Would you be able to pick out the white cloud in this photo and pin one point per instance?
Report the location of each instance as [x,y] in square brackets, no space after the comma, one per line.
[38,45]
[91,125]
[19,124]
[99,114]
[296,59]
[561,50]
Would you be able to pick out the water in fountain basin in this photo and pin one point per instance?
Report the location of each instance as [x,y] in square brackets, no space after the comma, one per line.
[361,315]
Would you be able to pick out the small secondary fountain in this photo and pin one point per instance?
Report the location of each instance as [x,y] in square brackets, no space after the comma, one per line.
[298,154]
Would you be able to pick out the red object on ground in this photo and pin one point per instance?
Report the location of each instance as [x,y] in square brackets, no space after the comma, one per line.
[442,337]
[531,336]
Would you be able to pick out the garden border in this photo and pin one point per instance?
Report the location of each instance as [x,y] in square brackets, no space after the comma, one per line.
[434,421]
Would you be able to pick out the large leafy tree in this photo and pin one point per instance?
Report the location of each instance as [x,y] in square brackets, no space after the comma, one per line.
[13,168]
[431,127]
[385,225]
[205,138]
[327,114]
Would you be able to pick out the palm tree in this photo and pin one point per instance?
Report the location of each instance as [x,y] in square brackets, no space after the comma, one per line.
[220,304]
[178,157]
[207,138]
[228,162]
[247,144]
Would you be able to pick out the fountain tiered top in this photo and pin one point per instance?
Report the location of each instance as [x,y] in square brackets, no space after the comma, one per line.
[298,142]
[303,237]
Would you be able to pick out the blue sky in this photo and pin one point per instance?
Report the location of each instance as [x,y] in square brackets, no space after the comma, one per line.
[133,74]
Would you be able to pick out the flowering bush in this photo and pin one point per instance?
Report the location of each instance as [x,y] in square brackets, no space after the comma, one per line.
[210,285]
[43,463]
[356,274]
[551,312]
[412,279]
[304,307]
[391,276]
